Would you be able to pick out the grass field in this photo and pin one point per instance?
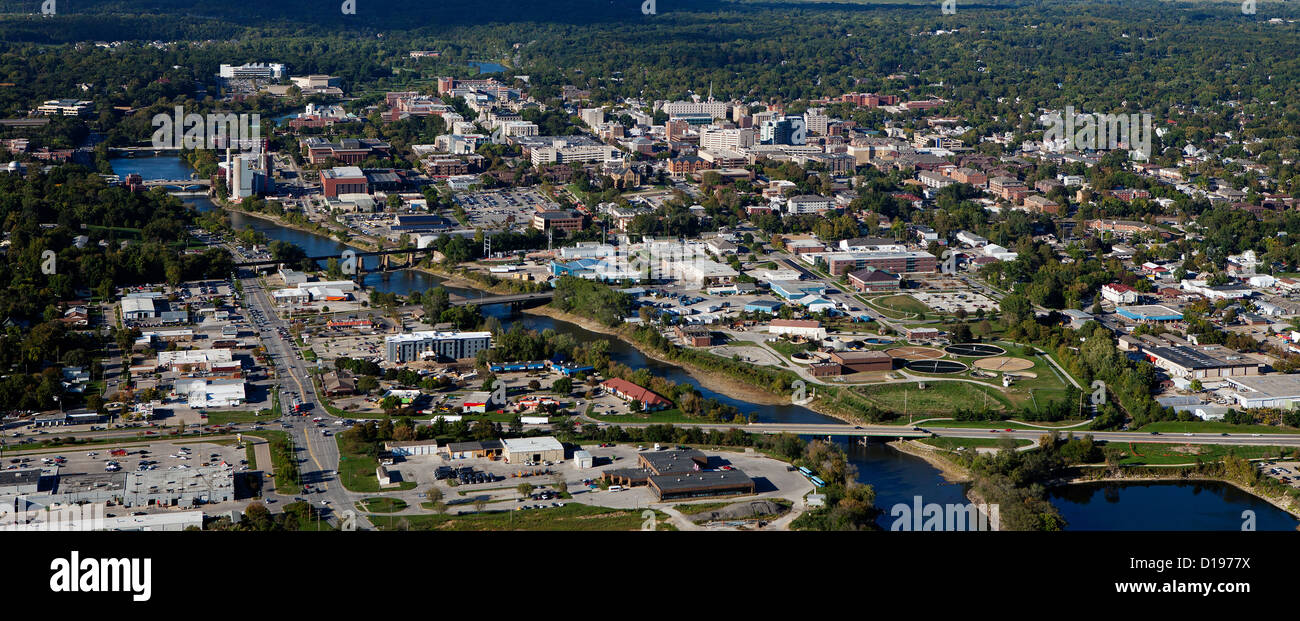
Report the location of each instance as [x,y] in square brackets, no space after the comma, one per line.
[571,517]
[700,508]
[357,472]
[221,418]
[1048,386]
[284,461]
[1143,453]
[1213,427]
[952,444]
[381,504]
[787,348]
[938,398]
[903,303]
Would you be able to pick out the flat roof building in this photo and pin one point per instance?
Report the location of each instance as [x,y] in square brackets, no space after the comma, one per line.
[465,450]
[702,484]
[1201,361]
[520,450]
[1266,391]
[1151,313]
[863,361]
[138,308]
[401,348]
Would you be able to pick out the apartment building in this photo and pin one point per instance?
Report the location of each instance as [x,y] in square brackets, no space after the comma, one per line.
[401,348]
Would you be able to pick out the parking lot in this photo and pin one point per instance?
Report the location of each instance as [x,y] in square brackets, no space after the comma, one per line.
[1285,471]
[950,302]
[496,209]
[162,455]
[772,478]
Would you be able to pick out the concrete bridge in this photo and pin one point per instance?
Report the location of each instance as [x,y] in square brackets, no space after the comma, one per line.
[133,151]
[358,253]
[509,298]
[809,429]
[183,184]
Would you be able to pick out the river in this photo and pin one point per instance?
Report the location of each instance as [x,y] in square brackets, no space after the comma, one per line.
[1165,506]
[897,477]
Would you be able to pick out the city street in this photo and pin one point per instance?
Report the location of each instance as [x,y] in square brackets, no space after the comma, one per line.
[318,467]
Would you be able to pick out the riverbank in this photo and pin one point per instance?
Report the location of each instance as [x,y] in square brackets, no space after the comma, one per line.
[1285,503]
[713,380]
[950,471]
[361,242]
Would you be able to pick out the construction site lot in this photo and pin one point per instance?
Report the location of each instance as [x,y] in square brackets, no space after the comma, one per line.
[748,355]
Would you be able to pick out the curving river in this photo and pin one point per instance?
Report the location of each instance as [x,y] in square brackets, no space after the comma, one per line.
[897,477]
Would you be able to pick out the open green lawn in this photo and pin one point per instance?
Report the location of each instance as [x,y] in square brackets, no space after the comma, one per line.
[284,463]
[938,398]
[1155,453]
[570,517]
[357,472]
[381,504]
[953,444]
[903,303]
[1213,427]
[700,508]
[1049,385]
[221,418]
[787,348]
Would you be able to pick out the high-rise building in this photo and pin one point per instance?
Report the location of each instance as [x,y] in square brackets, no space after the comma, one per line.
[248,174]
[790,130]
[252,71]
[730,138]
[816,120]
[592,116]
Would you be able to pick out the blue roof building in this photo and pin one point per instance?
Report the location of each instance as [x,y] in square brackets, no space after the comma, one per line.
[793,289]
[763,306]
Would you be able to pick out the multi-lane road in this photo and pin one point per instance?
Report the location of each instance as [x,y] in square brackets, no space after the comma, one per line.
[318,454]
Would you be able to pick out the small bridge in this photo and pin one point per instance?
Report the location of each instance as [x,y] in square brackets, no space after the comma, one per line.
[326,257]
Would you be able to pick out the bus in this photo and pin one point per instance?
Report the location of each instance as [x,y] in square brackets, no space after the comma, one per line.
[817,482]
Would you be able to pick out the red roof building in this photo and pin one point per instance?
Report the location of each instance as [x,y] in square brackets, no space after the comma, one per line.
[627,390]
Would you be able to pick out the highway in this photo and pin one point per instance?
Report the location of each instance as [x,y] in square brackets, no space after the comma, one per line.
[319,467]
